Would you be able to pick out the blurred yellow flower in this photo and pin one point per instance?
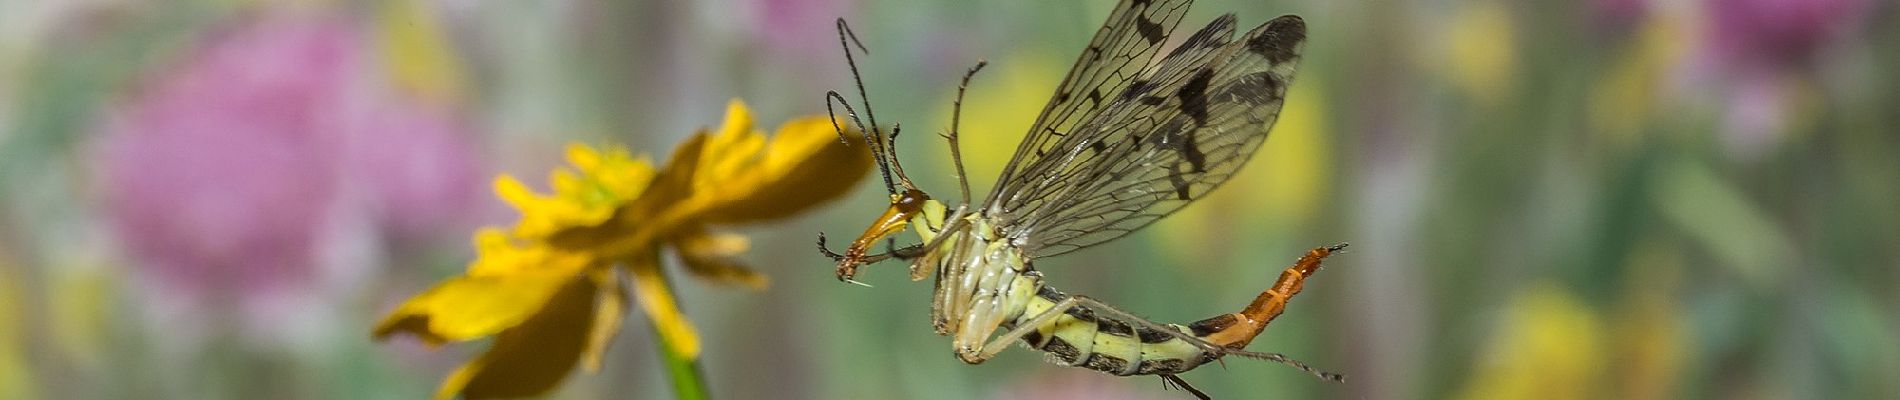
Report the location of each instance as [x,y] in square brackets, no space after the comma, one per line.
[1550,346]
[1483,48]
[1651,327]
[547,288]
[16,372]
[1628,95]
[417,56]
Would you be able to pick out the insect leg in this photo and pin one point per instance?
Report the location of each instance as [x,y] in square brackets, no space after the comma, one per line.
[1283,359]
[999,343]
[900,253]
[1176,381]
[1131,318]
[1203,343]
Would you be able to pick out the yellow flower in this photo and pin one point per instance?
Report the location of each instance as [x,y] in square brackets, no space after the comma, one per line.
[548,289]
[1481,42]
[1630,93]
[1550,346]
[415,52]
[16,368]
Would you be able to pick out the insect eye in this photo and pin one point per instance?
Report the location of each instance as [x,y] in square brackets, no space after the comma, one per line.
[912,198]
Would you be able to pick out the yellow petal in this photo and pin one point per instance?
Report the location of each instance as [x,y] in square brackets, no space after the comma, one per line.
[733,175]
[532,358]
[583,156]
[713,257]
[515,193]
[610,310]
[500,254]
[658,302]
[803,165]
[507,283]
[738,119]
[565,181]
[675,182]
[733,149]
[471,307]
[588,197]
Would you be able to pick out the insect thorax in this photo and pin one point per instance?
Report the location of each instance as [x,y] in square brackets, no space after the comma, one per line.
[982,280]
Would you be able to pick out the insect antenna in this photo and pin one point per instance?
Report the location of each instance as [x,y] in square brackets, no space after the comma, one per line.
[890,149]
[956,116]
[882,146]
[877,154]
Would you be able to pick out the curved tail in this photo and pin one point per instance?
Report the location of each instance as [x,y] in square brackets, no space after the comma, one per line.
[1236,330]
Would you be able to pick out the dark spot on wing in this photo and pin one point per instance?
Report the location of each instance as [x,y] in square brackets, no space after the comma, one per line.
[1281,40]
[1136,89]
[1180,185]
[1193,96]
[1253,89]
[1215,34]
[1191,152]
[1150,30]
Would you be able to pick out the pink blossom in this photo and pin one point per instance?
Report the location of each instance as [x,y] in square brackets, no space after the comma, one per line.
[231,174]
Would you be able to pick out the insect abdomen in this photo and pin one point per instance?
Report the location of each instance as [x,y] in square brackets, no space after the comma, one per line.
[1084,338]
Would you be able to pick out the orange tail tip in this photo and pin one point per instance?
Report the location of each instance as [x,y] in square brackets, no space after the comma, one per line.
[1236,330]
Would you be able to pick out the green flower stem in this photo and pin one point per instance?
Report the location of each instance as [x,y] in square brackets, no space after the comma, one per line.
[684,369]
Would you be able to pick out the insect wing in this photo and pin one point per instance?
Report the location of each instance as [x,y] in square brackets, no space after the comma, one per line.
[1165,140]
[1116,56]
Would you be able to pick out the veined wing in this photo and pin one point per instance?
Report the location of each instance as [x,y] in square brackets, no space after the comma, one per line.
[1123,46]
[1165,140]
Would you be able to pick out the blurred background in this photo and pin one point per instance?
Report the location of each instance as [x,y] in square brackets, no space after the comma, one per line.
[1593,199]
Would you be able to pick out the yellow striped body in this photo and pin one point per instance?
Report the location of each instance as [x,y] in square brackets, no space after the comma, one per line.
[984,285]
[1083,338]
